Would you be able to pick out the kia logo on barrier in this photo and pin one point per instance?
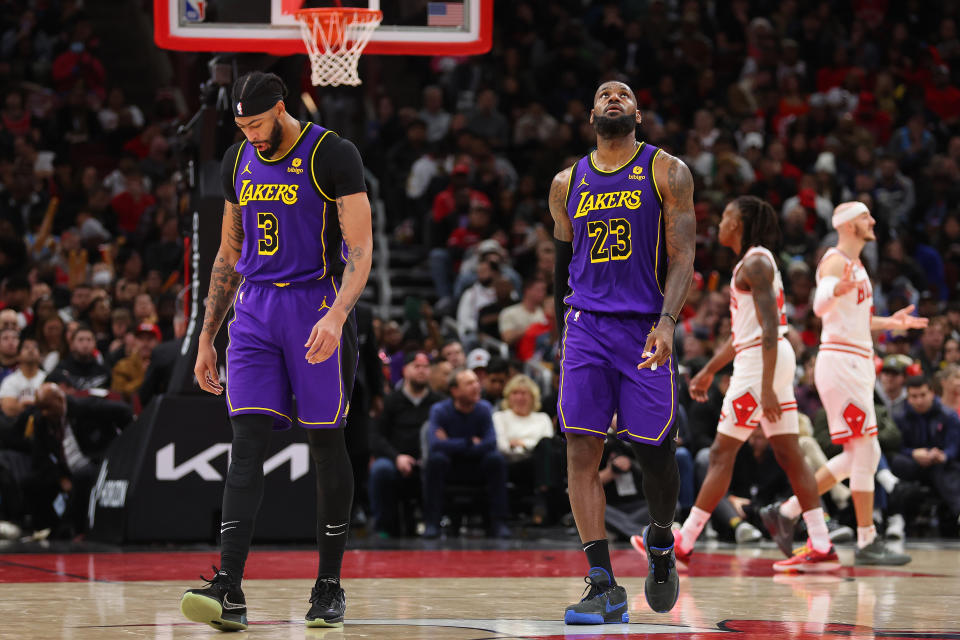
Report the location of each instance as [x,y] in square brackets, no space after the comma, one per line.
[297,454]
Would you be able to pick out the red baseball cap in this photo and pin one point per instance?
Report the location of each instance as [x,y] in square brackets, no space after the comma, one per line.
[149,327]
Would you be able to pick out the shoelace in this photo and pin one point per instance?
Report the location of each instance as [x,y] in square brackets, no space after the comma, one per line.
[662,563]
[592,590]
[323,593]
[218,577]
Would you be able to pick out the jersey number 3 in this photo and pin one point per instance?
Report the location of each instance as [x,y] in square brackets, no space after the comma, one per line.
[268,242]
[619,228]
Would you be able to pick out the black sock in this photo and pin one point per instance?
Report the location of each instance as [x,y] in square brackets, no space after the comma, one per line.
[661,487]
[598,555]
[243,490]
[334,497]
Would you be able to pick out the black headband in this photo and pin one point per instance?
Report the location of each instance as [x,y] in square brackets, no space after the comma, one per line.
[258,101]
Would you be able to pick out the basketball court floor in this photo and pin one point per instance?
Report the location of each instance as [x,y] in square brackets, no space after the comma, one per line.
[509,590]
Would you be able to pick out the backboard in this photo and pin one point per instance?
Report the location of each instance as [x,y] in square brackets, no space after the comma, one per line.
[409,27]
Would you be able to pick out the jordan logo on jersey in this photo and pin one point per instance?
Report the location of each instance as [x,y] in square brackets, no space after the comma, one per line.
[743,408]
[246,169]
[590,202]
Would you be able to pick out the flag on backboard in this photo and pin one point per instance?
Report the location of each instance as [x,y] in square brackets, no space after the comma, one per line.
[444,14]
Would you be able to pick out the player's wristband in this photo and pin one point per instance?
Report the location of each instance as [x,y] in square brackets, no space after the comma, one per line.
[671,316]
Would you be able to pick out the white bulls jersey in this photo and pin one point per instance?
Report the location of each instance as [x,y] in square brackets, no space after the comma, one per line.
[743,312]
[846,326]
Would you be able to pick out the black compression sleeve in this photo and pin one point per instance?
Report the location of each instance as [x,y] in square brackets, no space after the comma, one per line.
[561,277]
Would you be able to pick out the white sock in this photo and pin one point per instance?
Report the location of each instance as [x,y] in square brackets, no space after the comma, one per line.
[887,480]
[692,527]
[865,535]
[791,508]
[817,529]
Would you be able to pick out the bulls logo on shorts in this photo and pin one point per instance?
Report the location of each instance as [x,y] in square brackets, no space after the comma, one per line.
[743,408]
[855,417]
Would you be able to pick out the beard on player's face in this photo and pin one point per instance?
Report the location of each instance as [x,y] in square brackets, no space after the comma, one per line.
[615,126]
[274,139]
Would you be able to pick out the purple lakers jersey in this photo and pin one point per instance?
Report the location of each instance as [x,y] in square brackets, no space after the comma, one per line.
[290,227]
[619,260]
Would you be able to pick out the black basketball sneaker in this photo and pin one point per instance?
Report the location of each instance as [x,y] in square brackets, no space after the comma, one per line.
[220,604]
[603,603]
[327,604]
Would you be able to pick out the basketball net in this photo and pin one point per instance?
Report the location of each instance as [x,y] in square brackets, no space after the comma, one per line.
[335,39]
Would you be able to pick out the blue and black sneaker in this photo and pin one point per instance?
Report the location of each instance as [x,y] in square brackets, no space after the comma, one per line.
[220,604]
[662,586]
[603,603]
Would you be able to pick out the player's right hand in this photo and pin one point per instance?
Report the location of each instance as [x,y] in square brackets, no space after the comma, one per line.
[770,405]
[206,368]
[846,283]
[700,385]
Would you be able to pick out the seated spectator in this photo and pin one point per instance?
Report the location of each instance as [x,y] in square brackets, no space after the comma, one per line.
[929,350]
[440,377]
[67,438]
[488,322]
[949,379]
[493,379]
[478,295]
[9,341]
[462,447]
[890,383]
[515,319]
[52,341]
[19,389]
[129,372]
[931,446]
[395,443]
[453,353]
[82,369]
[525,438]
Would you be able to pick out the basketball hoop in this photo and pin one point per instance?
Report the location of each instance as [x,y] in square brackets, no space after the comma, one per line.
[335,39]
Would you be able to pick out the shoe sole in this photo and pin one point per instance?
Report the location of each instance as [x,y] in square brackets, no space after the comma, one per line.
[323,624]
[882,563]
[818,567]
[208,611]
[574,617]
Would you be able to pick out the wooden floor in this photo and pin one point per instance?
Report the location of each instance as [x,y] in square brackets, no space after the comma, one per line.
[473,595]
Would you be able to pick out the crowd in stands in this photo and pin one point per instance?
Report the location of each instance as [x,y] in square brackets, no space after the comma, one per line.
[806,105]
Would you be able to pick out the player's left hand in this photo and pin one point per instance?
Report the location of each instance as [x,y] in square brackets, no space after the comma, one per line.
[770,405]
[324,337]
[659,346]
[904,320]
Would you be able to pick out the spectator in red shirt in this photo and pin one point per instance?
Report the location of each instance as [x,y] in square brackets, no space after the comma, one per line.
[942,98]
[131,203]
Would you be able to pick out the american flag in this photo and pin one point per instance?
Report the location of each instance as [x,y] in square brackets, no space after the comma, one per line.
[444,14]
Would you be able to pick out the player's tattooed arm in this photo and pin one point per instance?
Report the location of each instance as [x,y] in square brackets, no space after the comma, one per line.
[562,228]
[758,272]
[224,278]
[353,213]
[675,184]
